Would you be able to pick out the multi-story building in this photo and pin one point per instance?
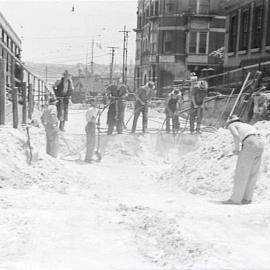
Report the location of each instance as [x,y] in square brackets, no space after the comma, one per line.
[247,32]
[10,44]
[174,37]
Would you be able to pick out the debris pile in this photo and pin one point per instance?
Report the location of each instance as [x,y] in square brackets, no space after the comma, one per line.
[209,170]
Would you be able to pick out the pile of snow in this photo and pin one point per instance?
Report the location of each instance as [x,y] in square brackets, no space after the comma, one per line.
[15,170]
[207,172]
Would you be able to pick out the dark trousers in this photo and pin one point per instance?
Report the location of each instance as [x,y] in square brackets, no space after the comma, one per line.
[175,121]
[196,115]
[116,116]
[139,108]
[90,130]
[62,108]
[52,135]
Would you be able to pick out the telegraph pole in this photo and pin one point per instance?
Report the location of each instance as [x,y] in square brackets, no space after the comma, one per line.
[92,65]
[125,50]
[112,61]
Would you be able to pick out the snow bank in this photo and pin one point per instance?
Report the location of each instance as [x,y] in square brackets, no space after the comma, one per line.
[207,172]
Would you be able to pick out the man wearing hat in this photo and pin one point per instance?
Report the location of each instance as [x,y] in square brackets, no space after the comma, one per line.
[143,96]
[173,103]
[249,148]
[50,122]
[198,92]
[90,130]
[63,89]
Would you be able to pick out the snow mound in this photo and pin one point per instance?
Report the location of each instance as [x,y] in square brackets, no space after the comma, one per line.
[207,172]
[15,170]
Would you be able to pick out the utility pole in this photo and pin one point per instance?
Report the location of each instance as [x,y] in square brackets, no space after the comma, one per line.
[125,50]
[46,75]
[92,65]
[112,61]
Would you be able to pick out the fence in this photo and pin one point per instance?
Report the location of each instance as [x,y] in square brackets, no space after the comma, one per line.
[225,81]
[19,94]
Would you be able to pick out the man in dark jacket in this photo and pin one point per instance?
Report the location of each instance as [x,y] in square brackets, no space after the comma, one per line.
[143,96]
[116,111]
[63,89]
[198,93]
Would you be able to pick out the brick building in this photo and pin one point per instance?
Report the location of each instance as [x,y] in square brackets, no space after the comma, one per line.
[174,37]
[248,32]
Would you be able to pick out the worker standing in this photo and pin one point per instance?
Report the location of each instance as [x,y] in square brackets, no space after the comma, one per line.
[63,89]
[50,122]
[143,96]
[90,130]
[249,148]
[198,93]
[116,112]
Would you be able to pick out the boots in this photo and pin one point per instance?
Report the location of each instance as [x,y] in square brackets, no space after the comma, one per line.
[62,126]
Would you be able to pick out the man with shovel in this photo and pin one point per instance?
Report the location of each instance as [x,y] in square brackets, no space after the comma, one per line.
[249,148]
[173,103]
[143,96]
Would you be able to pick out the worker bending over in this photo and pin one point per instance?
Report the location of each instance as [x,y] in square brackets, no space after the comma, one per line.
[249,148]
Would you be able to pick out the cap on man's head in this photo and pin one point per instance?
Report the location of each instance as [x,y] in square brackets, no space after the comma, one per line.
[232,119]
[52,100]
[150,84]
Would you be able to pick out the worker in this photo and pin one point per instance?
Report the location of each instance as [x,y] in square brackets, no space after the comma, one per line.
[173,103]
[249,148]
[50,121]
[143,96]
[90,130]
[63,89]
[116,112]
[198,92]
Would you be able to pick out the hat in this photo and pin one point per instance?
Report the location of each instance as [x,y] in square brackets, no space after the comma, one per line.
[52,100]
[232,119]
[66,73]
[150,84]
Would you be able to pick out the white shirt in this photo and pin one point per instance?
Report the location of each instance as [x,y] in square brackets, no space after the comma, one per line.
[244,130]
[91,115]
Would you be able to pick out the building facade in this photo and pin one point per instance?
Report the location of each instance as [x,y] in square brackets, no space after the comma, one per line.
[247,40]
[175,37]
[10,46]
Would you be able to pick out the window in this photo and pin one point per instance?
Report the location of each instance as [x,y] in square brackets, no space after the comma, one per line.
[202,42]
[244,32]
[233,33]
[167,44]
[193,6]
[268,26]
[192,42]
[198,42]
[203,6]
[169,6]
[257,27]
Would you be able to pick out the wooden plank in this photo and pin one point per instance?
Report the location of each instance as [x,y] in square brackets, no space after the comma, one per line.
[30,101]
[15,107]
[2,91]
[24,107]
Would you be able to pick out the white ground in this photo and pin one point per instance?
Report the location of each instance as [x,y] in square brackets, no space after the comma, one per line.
[145,206]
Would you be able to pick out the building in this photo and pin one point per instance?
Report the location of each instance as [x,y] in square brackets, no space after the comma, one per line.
[10,45]
[247,33]
[174,37]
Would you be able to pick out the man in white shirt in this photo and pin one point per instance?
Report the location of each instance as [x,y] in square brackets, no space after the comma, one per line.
[90,130]
[249,148]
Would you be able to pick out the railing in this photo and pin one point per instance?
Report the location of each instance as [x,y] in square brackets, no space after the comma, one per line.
[19,93]
[225,81]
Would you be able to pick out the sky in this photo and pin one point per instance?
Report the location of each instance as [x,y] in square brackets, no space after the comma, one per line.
[52,33]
